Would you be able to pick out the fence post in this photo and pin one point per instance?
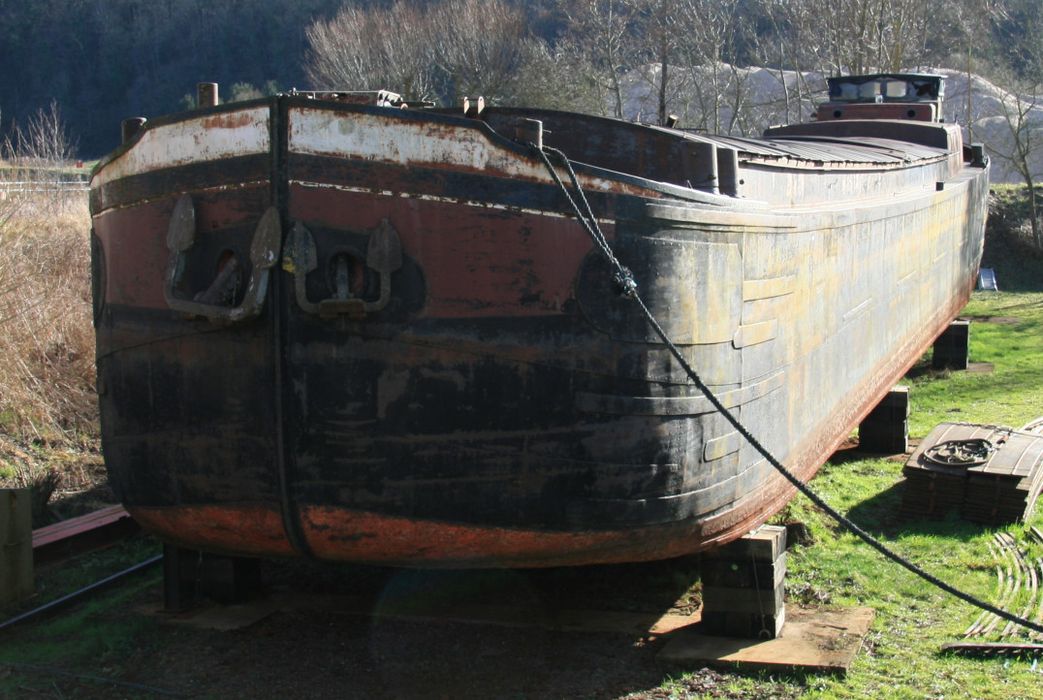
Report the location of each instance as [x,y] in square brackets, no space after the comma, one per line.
[16,546]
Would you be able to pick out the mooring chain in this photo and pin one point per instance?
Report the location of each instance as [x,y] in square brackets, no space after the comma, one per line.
[628,288]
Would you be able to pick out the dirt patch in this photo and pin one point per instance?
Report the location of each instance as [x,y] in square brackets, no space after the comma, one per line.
[318,654]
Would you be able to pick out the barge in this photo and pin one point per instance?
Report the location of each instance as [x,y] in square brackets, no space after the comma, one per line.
[331,325]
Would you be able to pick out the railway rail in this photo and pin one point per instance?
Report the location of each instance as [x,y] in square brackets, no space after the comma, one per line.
[55,543]
[1018,578]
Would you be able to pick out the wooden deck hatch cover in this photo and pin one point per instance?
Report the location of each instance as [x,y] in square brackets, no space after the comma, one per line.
[992,474]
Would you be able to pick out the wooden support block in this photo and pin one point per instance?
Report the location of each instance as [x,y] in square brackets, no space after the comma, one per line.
[230,580]
[190,576]
[726,573]
[16,546]
[179,583]
[952,347]
[886,429]
[765,544]
[893,408]
[744,586]
[743,625]
[744,600]
[884,439]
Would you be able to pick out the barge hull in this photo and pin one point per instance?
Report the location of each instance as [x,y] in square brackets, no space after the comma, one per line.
[475,394]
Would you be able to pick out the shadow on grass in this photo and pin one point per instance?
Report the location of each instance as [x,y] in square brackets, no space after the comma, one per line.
[881,515]
[83,502]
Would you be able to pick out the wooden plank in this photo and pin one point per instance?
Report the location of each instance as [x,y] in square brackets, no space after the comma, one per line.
[86,532]
[818,640]
[16,549]
[438,612]
[74,526]
[764,544]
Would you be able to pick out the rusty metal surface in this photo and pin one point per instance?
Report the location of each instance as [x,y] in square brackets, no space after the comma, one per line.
[835,150]
[475,394]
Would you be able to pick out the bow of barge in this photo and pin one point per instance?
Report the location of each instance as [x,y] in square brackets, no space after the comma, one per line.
[366,333]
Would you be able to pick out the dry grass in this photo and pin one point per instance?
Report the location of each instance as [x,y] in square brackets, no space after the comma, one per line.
[48,407]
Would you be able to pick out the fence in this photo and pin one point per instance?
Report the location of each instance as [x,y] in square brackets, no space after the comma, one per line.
[26,186]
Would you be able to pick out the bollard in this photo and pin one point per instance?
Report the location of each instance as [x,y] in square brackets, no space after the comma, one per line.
[206,95]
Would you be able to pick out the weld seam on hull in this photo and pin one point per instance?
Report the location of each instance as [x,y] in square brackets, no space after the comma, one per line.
[675,405]
[436,198]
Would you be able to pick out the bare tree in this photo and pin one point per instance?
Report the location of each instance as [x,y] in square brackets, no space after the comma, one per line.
[43,140]
[443,51]
[708,33]
[481,47]
[372,49]
[1021,108]
[654,42]
[552,77]
[855,36]
[602,48]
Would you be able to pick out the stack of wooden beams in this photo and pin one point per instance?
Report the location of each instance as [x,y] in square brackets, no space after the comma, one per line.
[1006,488]
[744,586]
[991,475]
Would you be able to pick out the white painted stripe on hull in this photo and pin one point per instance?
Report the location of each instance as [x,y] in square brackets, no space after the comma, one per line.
[197,140]
[378,138]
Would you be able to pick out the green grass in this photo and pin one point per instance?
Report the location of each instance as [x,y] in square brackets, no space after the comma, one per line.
[90,637]
[1007,331]
[913,618]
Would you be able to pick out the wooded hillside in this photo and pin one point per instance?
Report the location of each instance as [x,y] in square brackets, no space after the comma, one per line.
[105,60]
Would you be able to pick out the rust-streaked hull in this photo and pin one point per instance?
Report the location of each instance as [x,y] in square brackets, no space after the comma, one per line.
[502,406]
